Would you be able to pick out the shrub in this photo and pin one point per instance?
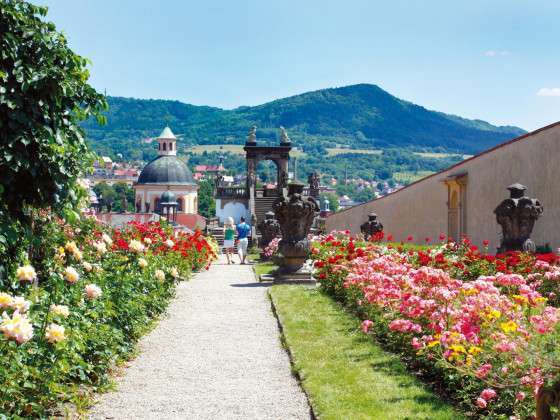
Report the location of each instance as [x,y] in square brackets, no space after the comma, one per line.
[65,323]
[484,327]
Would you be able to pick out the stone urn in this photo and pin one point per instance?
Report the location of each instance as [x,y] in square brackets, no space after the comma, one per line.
[517,216]
[295,214]
[371,227]
[269,229]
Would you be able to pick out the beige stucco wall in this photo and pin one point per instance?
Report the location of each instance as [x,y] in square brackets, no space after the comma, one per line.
[149,193]
[421,209]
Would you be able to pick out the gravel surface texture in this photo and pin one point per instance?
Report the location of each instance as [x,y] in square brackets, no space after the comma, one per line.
[216,355]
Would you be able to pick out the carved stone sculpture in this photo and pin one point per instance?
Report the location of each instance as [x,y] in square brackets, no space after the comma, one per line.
[252,135]
[547,398]
[269,229]
[284,139]
[283,180]
[218,180]
[295,214]
[313,180]
[124,203]
[517,216]
[371,227]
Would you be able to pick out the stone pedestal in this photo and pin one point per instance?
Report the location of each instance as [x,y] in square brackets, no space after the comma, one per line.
[295,214]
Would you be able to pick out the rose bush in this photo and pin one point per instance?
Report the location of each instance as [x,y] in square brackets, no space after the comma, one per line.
[482,327]
[69,316]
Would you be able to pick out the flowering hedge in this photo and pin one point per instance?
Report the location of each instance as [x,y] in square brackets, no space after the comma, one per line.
[484,328]
[82,307]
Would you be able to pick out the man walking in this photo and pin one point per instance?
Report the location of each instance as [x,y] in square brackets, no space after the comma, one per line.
[243,231]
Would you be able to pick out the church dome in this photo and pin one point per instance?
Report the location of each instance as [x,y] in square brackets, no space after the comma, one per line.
[166,170]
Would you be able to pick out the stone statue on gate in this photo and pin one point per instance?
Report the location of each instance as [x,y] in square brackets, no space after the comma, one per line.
[269,229]
[517,216]
[252,135]
[284,139]
[371,227]
[313,179]
[218,180]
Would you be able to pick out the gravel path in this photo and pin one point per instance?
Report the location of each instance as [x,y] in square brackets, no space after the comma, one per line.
[217,355]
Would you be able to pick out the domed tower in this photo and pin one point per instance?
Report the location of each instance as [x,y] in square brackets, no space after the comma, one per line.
[166,173]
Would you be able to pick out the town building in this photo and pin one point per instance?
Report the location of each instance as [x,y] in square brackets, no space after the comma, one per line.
[166,173]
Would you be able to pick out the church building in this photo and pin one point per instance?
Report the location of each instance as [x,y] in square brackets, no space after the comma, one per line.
[166,173]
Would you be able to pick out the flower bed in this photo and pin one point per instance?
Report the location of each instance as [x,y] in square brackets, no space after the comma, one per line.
[482,328]
[84,305]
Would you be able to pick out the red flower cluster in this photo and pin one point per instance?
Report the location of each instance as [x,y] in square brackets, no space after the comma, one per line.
[159,239]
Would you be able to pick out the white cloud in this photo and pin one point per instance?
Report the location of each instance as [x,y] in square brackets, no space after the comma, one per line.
[549,91]
[494,53]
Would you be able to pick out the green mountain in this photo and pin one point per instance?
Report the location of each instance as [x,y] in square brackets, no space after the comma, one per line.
[358,116]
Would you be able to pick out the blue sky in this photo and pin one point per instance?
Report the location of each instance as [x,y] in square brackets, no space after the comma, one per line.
[494,60]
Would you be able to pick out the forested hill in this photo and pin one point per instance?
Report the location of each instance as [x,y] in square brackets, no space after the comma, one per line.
[360,116]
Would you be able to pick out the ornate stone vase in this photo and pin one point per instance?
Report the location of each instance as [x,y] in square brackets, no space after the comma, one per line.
[269,229]
[295,214]
[517,216]
[371,227]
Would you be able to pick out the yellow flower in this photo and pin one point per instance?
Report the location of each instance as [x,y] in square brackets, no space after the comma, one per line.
[160,275]
[71,247]
[55,333]
[26,273]
[5,300]
[71,275]
[541,299]
[492,314]
[458,348]
[474,350]
[136,246]
[174,272]
[433,343]
[509,326]
[87,266]
[61,310]
[520,299]
[17,327]
[142,263]
[470,292]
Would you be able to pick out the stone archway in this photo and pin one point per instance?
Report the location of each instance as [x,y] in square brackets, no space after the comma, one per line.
[280,155]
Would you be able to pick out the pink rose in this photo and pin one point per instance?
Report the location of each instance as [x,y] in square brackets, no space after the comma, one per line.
[488,394]
[366,325]
[481,403]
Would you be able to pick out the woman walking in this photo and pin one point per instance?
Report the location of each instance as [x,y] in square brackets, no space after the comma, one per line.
[229,235]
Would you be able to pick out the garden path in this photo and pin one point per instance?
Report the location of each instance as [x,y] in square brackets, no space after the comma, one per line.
[217,354]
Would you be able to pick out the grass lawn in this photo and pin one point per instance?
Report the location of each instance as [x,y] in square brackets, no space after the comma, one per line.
[345,374]
[410,176]
[265,268]
[341,151]
[231,148]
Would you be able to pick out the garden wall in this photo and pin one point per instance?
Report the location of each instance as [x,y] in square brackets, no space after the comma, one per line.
[421,209]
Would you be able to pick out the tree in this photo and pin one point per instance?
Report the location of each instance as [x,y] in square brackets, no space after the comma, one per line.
[206,202]
[333,201]
[43,95]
